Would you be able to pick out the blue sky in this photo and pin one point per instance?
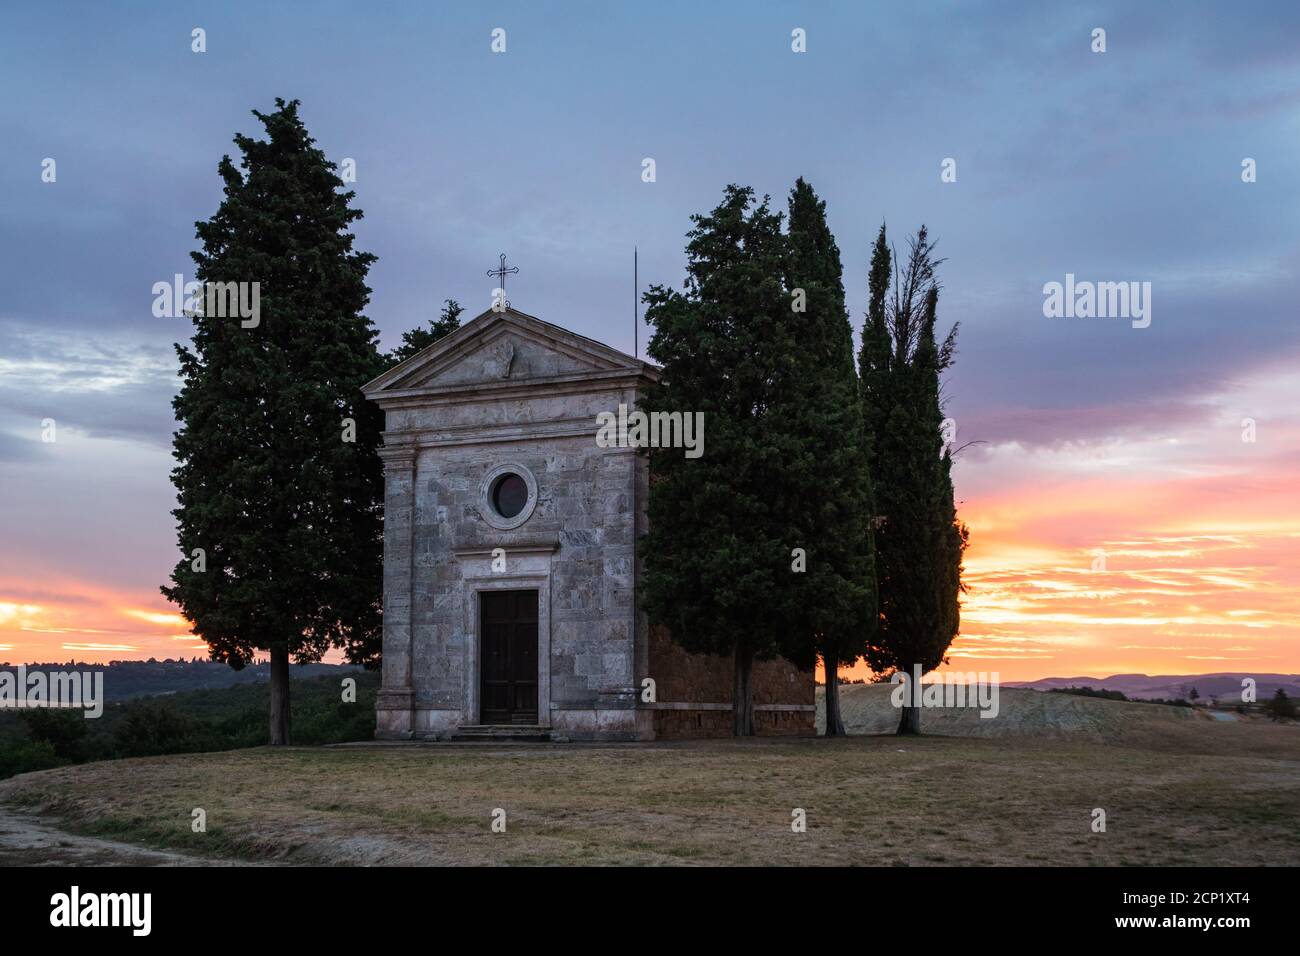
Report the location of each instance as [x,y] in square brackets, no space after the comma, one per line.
[1116,166]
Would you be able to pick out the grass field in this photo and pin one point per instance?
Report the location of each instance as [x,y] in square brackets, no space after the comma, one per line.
[1177,790]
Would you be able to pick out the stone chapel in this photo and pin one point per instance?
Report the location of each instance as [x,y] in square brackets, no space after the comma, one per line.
[511,554]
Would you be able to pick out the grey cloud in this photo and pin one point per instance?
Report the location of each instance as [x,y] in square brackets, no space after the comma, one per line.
[18,449]
[108,388]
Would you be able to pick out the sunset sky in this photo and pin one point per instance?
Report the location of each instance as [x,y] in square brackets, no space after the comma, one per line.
[1120,521]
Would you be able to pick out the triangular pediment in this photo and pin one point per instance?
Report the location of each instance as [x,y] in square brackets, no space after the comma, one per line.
[503,349]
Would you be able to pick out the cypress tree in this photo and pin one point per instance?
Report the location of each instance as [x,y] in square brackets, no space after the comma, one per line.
[278,482]
[717,568]
[919,541]
[833,499]
[1280,707]
[418,339]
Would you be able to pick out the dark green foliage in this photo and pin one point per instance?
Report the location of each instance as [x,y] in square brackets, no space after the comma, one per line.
[830,488]
[64,730]
[415,340]
[287,511]
[919,541]
[156,726]
[760,341]
[126,679]
[25,756]
[722,526]
[187,722]
[1098,692]
[1281,707]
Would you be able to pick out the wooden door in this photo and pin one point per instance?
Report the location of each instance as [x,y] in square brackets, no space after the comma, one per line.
[509,659]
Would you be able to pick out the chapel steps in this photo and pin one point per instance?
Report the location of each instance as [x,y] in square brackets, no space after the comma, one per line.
[492,733]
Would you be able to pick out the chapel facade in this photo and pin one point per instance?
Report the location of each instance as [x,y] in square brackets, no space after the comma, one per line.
[512,551]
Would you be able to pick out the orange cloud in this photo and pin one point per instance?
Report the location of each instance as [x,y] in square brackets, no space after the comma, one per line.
[1172,553]
[157,617]
[84,620]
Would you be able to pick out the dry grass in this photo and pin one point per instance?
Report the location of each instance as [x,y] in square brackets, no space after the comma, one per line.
[1195,793]
[866,709]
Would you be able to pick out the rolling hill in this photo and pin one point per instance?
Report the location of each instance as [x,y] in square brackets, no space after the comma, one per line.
[1021,713]
[1224,686]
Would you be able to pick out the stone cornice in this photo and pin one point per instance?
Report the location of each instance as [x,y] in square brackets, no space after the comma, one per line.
[413,439]
[397,457]
[571,383]
[530,546]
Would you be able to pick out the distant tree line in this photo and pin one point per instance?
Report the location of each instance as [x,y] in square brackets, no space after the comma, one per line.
[127,679]
[190,722]
[1104,694]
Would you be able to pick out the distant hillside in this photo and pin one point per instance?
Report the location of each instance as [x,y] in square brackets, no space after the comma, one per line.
[1225,686]
[1021,713]
[126,680]
[192,721]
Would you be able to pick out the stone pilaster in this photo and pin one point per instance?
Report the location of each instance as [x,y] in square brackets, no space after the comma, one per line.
[393,709]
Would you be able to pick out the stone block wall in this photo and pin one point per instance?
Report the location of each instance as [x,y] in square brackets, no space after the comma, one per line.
[582,508]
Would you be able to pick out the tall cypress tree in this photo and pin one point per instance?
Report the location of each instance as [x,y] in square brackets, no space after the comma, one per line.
[278,481]
[833,500]
[950,534]
[717,570]
[919,541]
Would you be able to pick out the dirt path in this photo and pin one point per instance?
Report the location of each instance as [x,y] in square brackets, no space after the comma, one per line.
[25,841]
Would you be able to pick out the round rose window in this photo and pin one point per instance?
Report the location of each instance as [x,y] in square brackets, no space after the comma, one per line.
[509,495]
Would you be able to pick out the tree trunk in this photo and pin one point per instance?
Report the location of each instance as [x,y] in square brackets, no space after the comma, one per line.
[279,695]
[742,698]
[909,722]
[834,722]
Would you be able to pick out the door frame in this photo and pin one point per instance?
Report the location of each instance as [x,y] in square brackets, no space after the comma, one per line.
[516,622]
[541,583]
